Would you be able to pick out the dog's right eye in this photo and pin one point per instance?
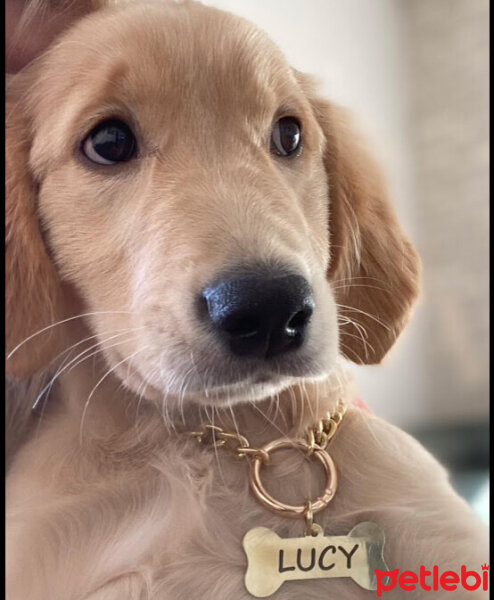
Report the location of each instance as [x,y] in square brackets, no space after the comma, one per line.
[109,143]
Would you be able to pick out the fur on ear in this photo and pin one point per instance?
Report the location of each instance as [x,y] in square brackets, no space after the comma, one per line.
[33,294]
[374,269]
[32,25]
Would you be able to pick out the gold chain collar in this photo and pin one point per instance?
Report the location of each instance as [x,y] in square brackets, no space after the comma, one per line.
[314,446]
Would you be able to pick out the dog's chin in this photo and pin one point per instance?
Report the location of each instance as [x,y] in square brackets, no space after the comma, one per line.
[257,382]
[245,391]
[253,388]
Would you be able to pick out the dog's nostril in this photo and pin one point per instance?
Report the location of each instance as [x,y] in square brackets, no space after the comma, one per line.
[299,320]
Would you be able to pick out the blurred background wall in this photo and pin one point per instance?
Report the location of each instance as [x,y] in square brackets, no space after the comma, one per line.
[415,72]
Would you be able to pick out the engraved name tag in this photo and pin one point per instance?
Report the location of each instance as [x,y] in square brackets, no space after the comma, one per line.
[273,560]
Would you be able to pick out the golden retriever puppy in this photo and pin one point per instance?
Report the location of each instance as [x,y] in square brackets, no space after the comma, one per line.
[194,236]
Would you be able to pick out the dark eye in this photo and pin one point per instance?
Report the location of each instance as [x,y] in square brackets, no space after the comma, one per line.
[286,136]
[109,143]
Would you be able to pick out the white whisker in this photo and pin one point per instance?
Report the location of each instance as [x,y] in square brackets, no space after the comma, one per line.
[40,331]
[363,312]
[100,381]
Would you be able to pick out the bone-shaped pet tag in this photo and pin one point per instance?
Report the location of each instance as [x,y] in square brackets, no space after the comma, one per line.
[273,560]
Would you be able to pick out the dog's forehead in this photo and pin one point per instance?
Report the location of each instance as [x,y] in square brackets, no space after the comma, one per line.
[165,51]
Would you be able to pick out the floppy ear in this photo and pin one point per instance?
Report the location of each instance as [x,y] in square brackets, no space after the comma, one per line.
[33,295]
[32,25]
[374,269]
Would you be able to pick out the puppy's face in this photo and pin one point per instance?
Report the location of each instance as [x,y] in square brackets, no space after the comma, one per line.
[182,175]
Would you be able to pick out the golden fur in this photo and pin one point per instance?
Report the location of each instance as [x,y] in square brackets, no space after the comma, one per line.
[105,499]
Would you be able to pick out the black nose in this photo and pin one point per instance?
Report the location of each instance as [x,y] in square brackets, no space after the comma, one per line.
[261,314]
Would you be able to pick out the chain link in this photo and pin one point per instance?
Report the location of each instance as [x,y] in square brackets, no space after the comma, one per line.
[324,431]
[239,447]
[234,443]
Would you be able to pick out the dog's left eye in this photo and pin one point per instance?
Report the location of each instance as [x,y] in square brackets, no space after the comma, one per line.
[109,143]
[286,136]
